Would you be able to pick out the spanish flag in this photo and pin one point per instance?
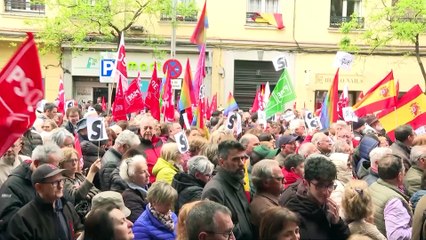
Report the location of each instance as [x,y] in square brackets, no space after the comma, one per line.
[380,96]
[275,19]
[410,109]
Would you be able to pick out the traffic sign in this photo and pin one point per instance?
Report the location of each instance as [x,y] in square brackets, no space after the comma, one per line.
[106,70]
[174,67]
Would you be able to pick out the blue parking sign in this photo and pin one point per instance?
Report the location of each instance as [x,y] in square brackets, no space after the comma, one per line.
[106,70]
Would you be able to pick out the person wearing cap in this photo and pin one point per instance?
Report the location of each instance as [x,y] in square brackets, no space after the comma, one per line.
[190,185]
[48,215]
[112,159]
[158,222]
[17,190]
[287,145]
[268,181]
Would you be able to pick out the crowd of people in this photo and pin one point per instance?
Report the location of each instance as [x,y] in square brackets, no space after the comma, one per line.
[273,181]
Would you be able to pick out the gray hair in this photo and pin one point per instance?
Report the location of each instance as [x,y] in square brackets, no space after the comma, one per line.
[339,146]
[128,137]
[200,164]
[306,148]
[200,218]
[295,123]
[378,153]
[417,152]
[245,139]
[43,153]
[59,135]
[262,171]
[128,165]
[317,138]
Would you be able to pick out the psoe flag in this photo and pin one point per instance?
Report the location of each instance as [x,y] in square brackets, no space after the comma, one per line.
[411,109]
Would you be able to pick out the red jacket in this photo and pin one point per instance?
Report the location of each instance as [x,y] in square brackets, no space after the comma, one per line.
[152,152]
[290,177]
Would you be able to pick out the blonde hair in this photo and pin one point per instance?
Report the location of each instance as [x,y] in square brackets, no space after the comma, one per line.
[162,193]
[196,144]
[170,152]
[181,224]
[68,152]
[356,201]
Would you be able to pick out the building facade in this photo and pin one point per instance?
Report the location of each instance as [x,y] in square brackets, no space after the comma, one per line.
[239,54]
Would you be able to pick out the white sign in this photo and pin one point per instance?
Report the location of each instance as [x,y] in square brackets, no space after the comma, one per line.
[261,118]
[176,84]
[96,130]
[186,121]
[343,60]
[288,116]
[312,121]
[182,142]
[349,115]
[421,130]
[279,62]
[234,119]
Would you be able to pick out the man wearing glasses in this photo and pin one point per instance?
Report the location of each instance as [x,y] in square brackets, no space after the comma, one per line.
[318,214]
[226,187]
[49,215]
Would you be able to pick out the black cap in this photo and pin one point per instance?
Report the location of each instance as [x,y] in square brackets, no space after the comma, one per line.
[285,139]
[360,123]
[45,171]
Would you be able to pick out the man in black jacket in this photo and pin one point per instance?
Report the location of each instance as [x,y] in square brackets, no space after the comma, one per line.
[17,190]
[318,214]
[226,187]
[49,215]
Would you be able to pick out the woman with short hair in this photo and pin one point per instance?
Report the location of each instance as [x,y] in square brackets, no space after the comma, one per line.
[134,171]
[158,221]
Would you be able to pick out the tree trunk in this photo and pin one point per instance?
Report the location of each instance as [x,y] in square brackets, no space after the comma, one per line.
[419,60]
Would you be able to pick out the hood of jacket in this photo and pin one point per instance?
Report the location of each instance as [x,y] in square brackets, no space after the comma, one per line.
[161,164]
[183,180]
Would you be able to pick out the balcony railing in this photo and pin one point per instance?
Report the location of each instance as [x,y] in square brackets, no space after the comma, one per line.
[179,18]
[25,6]
[336,21]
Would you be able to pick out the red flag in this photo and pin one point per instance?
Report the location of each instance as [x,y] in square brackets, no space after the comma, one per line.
[134,100]
[213,104]
[168,109]
[343,101]
[61,97]
[119,108]
[200,73]
[103,104]
[207,109]
[120,65]
[21,89]
[200,113]
[153,96]
[360,96]
[397,89]
[256,101]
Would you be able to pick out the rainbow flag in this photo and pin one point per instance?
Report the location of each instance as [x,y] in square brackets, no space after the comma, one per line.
[199,35]
[231,105]
[186,95]
[329,105]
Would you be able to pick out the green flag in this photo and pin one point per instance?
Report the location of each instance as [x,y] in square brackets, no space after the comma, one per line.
[282,94]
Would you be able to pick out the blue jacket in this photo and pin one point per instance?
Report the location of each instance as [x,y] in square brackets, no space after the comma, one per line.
[147,227]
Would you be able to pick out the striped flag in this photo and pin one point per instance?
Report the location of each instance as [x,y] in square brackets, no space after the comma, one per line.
[329,106]
[199,35]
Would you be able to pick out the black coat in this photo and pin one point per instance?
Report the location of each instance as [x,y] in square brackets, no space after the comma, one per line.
[38,220]
[188,187]
[15,192]
[117,183]
[136,201]
[314,223]
[31,139]
[110,161]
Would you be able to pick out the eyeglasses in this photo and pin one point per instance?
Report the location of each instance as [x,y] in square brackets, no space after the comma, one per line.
[329,187]
[56,183]
[146,128]
[228,234]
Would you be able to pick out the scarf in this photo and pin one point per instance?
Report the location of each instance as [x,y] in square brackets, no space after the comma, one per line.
[165,219]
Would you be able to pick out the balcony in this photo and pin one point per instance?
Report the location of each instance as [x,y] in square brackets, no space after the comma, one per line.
[25,6]
[336,21]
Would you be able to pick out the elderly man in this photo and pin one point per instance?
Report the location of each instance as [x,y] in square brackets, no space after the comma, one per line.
[190,185]
[268,180]
[209,220]
[10,160]
[226,187]
[297,128]
[413,177]
[173,129]
[392,211]
[323,143]
[48,215]
[17,190]
[307,149]
[287,144]
[404,136]
[375,155]
[112,159]
[150,143]
[249,141]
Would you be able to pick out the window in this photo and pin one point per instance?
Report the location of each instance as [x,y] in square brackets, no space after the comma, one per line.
[254,7]
[31,6]
[342,10]
[186,11]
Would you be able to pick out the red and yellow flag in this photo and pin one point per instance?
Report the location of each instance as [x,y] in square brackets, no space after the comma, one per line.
[274,19]
[410,109]
[380,96]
